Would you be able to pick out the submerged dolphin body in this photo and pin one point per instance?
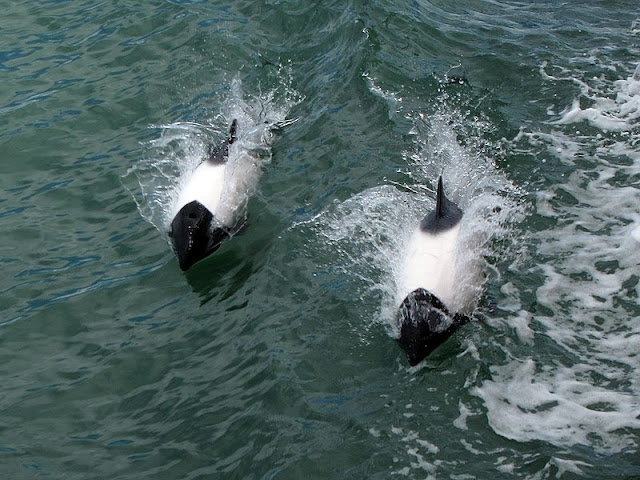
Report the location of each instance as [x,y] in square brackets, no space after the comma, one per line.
[195,231]
[430,276]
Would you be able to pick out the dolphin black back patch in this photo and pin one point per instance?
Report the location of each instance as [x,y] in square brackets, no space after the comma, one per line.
[445,216]
[220,153]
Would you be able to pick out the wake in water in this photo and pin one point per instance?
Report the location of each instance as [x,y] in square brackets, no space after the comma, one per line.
[172,158]
[589,259]
[617,111]
[370,232]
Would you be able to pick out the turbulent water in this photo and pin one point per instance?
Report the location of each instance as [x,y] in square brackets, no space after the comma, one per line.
[275,358]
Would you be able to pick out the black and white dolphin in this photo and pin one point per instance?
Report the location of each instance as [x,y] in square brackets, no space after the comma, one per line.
[430,276]
[198,228]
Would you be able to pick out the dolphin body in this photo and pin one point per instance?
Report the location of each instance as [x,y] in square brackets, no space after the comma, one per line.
[195,231]
[429,275]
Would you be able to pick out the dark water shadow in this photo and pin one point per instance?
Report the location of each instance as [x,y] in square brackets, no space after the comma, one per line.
[220,275]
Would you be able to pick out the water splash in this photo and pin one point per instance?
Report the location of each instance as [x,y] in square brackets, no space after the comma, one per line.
[170,159]
[489,200]
[370,231]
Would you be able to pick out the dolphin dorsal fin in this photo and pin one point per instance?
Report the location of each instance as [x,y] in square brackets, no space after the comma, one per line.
[220,153]
[232,133]
[444,216]
[440,199]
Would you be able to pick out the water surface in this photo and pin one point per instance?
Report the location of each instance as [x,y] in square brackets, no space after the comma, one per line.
[275,358]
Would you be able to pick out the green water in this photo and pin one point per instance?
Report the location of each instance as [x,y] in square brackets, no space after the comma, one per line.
[274,358]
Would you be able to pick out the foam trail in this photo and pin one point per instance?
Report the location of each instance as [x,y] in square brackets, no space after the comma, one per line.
[619,112]
[590,394]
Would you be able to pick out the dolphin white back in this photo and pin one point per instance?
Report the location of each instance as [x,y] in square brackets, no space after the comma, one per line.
[220,183]
[205,186]
[430,263]
[240,179]
[223,188]
[430,260]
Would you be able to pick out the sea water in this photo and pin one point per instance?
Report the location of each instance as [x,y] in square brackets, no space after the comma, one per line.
[275,358]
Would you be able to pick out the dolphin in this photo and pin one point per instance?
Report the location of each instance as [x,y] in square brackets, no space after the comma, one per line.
[430,276]
[195,231]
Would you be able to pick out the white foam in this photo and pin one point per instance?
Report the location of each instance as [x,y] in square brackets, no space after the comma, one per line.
[604,115]
[615,110]
[635,233]
[589,394]
[461,421]
[421,452]
[571,466]
[559,407]
[505,467]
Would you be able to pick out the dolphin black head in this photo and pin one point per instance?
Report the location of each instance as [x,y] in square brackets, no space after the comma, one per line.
[193,236]
[425,323]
